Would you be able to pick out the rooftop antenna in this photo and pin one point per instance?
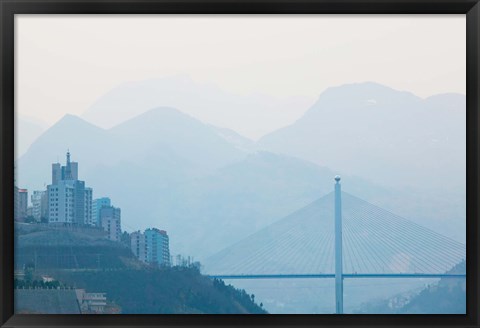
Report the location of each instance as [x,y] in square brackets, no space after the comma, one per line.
[68,169]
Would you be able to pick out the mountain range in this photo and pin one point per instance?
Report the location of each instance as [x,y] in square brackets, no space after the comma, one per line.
[251,115]
[387,136]
[210,186]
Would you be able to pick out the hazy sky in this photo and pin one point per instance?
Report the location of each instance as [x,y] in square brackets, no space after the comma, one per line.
[65,63]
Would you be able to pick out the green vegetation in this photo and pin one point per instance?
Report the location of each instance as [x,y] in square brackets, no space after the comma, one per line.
[72,248]
[448,296]
[177,290]
[35,284]
[83,258]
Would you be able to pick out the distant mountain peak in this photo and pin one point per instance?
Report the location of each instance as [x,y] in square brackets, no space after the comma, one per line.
[160,116]
[358,95]
[70,119]
[365,89]
[165,111]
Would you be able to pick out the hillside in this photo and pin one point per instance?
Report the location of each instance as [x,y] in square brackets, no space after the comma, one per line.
[446,296]
[82,258]
[173,290]
[46,301]
[51,248]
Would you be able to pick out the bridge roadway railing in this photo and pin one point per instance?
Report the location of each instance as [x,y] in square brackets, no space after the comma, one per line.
[332,275]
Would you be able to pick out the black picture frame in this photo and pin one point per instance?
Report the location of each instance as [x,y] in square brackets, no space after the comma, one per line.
[8,8]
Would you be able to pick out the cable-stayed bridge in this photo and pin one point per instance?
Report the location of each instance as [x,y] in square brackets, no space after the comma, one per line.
[340,236]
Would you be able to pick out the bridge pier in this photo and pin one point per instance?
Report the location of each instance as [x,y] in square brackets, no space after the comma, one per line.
[338,248]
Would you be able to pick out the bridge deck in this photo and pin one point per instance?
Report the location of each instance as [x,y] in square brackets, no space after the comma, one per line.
[332,275]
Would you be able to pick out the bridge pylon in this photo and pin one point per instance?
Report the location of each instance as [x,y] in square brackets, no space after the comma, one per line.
[338,248]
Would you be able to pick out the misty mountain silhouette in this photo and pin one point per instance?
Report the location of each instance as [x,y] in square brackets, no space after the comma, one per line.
[165,127]
[381,134]
[205,101]
[167,169]
[209,186]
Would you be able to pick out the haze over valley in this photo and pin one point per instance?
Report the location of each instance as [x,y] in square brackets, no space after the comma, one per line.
[210,186]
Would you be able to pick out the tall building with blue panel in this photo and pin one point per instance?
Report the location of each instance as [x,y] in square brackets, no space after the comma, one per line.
[157,247]
[97,205]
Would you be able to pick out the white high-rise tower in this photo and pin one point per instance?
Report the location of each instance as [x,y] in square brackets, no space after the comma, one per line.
[69,201]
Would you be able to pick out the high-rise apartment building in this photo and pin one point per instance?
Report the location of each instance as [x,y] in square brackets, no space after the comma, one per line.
[16,207]
[22,203]
[138,245]
[39,205]
[97,206]
[151,247]
[110,221]
[88,207]
[158,251]
[69,201]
